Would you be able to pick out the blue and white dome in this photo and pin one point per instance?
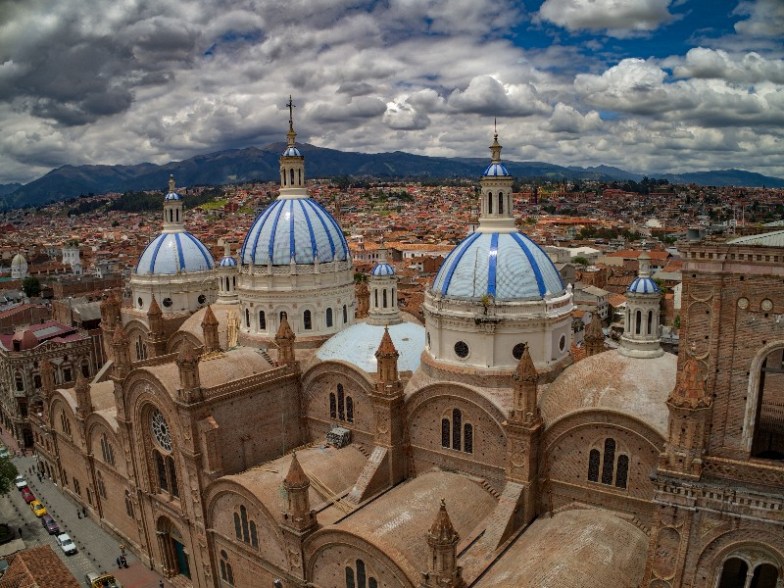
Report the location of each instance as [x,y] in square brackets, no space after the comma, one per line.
[291,151]
[643,285]
[172,196]
[383,269]
[506,266]
[295,230]
[496,169]
[228,261]
[172,253]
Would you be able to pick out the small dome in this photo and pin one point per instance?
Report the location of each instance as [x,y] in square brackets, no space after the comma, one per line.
[228,261]
[496,169]
[383,269]
[172,196]
[18,261]
[172,253]
[294,229]
[506,266]
[643,286]
[358,343]
[291,152]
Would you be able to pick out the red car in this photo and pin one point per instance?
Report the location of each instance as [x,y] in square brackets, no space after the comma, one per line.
[28,495]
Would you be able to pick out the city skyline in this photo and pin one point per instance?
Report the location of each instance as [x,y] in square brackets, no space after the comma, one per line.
[646,85]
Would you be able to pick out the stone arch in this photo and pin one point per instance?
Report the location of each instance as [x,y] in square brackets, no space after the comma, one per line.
[752,393]
[327,551]
[220,495]
[136,332]
[97,425]
[62,405]
[174,344]
[322,380]
[176,557]
[424,409]
[754,546]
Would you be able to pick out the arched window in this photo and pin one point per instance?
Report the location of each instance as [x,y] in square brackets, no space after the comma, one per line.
[299,176]
[247,318]
[650,322]
[349,409]
[333,406]
[768,439]
[359,576]
[457,426]
[225,569]
[65,424]
[733,573]
[262,321]
[128,504]
[100,484]
[36,381]
[175,489]
[490,203]
[594,459]
[254,536]
[306,319]
[638,322]
[237,526]
[345,314]
[446,434]
[609,461]
[283,176]
[765,576]
[19,383]
[384,296]
[283,315]
[341,403]
[107,451]
[160,468]
[500,203]
[291,176]
[622,471]
[375,298]
[468,438]
[245,528]
[329,317]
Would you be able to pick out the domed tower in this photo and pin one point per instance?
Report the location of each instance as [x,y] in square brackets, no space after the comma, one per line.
[175,267]
[295,263]
[227,278]
[383,295]
[643,297]
[496,293]
[18,267]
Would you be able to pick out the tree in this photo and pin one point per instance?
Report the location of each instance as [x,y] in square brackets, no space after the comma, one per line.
[579,260]
[31,286]
[8,472]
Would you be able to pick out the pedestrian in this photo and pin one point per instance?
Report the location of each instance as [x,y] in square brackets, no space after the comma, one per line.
[122,549]
[160,585]
[119,562]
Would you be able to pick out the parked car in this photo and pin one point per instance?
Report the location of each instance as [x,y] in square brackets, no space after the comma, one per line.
[20,482]
[95,580]
[38,509]
[28,495]
[50,524]
[65,543]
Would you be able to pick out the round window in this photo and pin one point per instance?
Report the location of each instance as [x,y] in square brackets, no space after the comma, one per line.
[160,431]
[202,299]
[140,302]
[167,302]
[517,350]
[562,342]
[461,349]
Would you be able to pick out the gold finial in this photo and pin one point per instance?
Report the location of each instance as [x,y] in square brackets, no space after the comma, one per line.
[172,185]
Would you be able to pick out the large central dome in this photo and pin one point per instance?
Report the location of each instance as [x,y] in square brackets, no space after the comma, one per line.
[294,229]
[506,266]
[172,253]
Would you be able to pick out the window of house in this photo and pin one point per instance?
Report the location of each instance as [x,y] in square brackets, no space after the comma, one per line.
[37,381]
[333,406]
[226,572]
[262,321]
[65,424]
[307,320]
[107,451]
[345,314]
[329,317]
[457,434]
[100,484]
[608,466]
[245,528]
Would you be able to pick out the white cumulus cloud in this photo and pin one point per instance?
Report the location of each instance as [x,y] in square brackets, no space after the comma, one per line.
[619,18]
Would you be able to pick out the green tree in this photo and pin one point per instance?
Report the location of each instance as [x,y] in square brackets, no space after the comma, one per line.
[31,286]
[579,260]
[8,472]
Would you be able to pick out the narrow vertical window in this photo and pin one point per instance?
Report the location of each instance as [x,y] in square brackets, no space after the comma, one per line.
[299,176]
[291,176]
[247,318]
[175,490]
[445,433]
[307,320]
[609,461]
[457,425]
[345,314]
[349,409]
[623,471]
[283,315]
[593,465]
[500,203]
[639,323]
[341,403]
[375,298]
[650,322]
[384,297]
[350,577]
[237,527]
[361,579]
[468,438]
[329,317]
[160,467]
[254,536]
[262,321]
[244,519]
[333,406]
[490,203]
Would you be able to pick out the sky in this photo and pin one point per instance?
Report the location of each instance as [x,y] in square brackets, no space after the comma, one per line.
[646,85]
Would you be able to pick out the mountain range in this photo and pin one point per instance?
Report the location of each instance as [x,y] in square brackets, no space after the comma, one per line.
[261,164]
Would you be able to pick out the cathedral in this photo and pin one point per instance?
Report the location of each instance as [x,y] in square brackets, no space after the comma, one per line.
[265,421]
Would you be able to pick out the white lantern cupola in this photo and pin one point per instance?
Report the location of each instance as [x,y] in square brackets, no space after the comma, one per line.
[383,294]
[643,298]
[227,278]
[173,219]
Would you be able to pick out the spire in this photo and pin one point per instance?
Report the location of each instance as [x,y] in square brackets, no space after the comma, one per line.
[296,477]
[495,148]
[291,135]
[122,352]
[644,265]
[83,402]
[386,360]
[496,214]
[173,218]
[689,391]
[209,328]
[363,299]
[442,538]
[156,338]
[190,379]
[298,515]
[594,336]
[284,339]
[525,410]
[172,184]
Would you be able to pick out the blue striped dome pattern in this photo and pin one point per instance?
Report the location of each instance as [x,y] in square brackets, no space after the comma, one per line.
[643,286]
[228,261]
[172,253]
[506,266]
[383,269]
[496,170]
[172,196]
[296,229]
[292,152]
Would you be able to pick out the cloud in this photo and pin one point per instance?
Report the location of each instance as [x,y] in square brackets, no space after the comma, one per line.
[566,119]
[765,18]
[488,96]
[751,67]
[618,18]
